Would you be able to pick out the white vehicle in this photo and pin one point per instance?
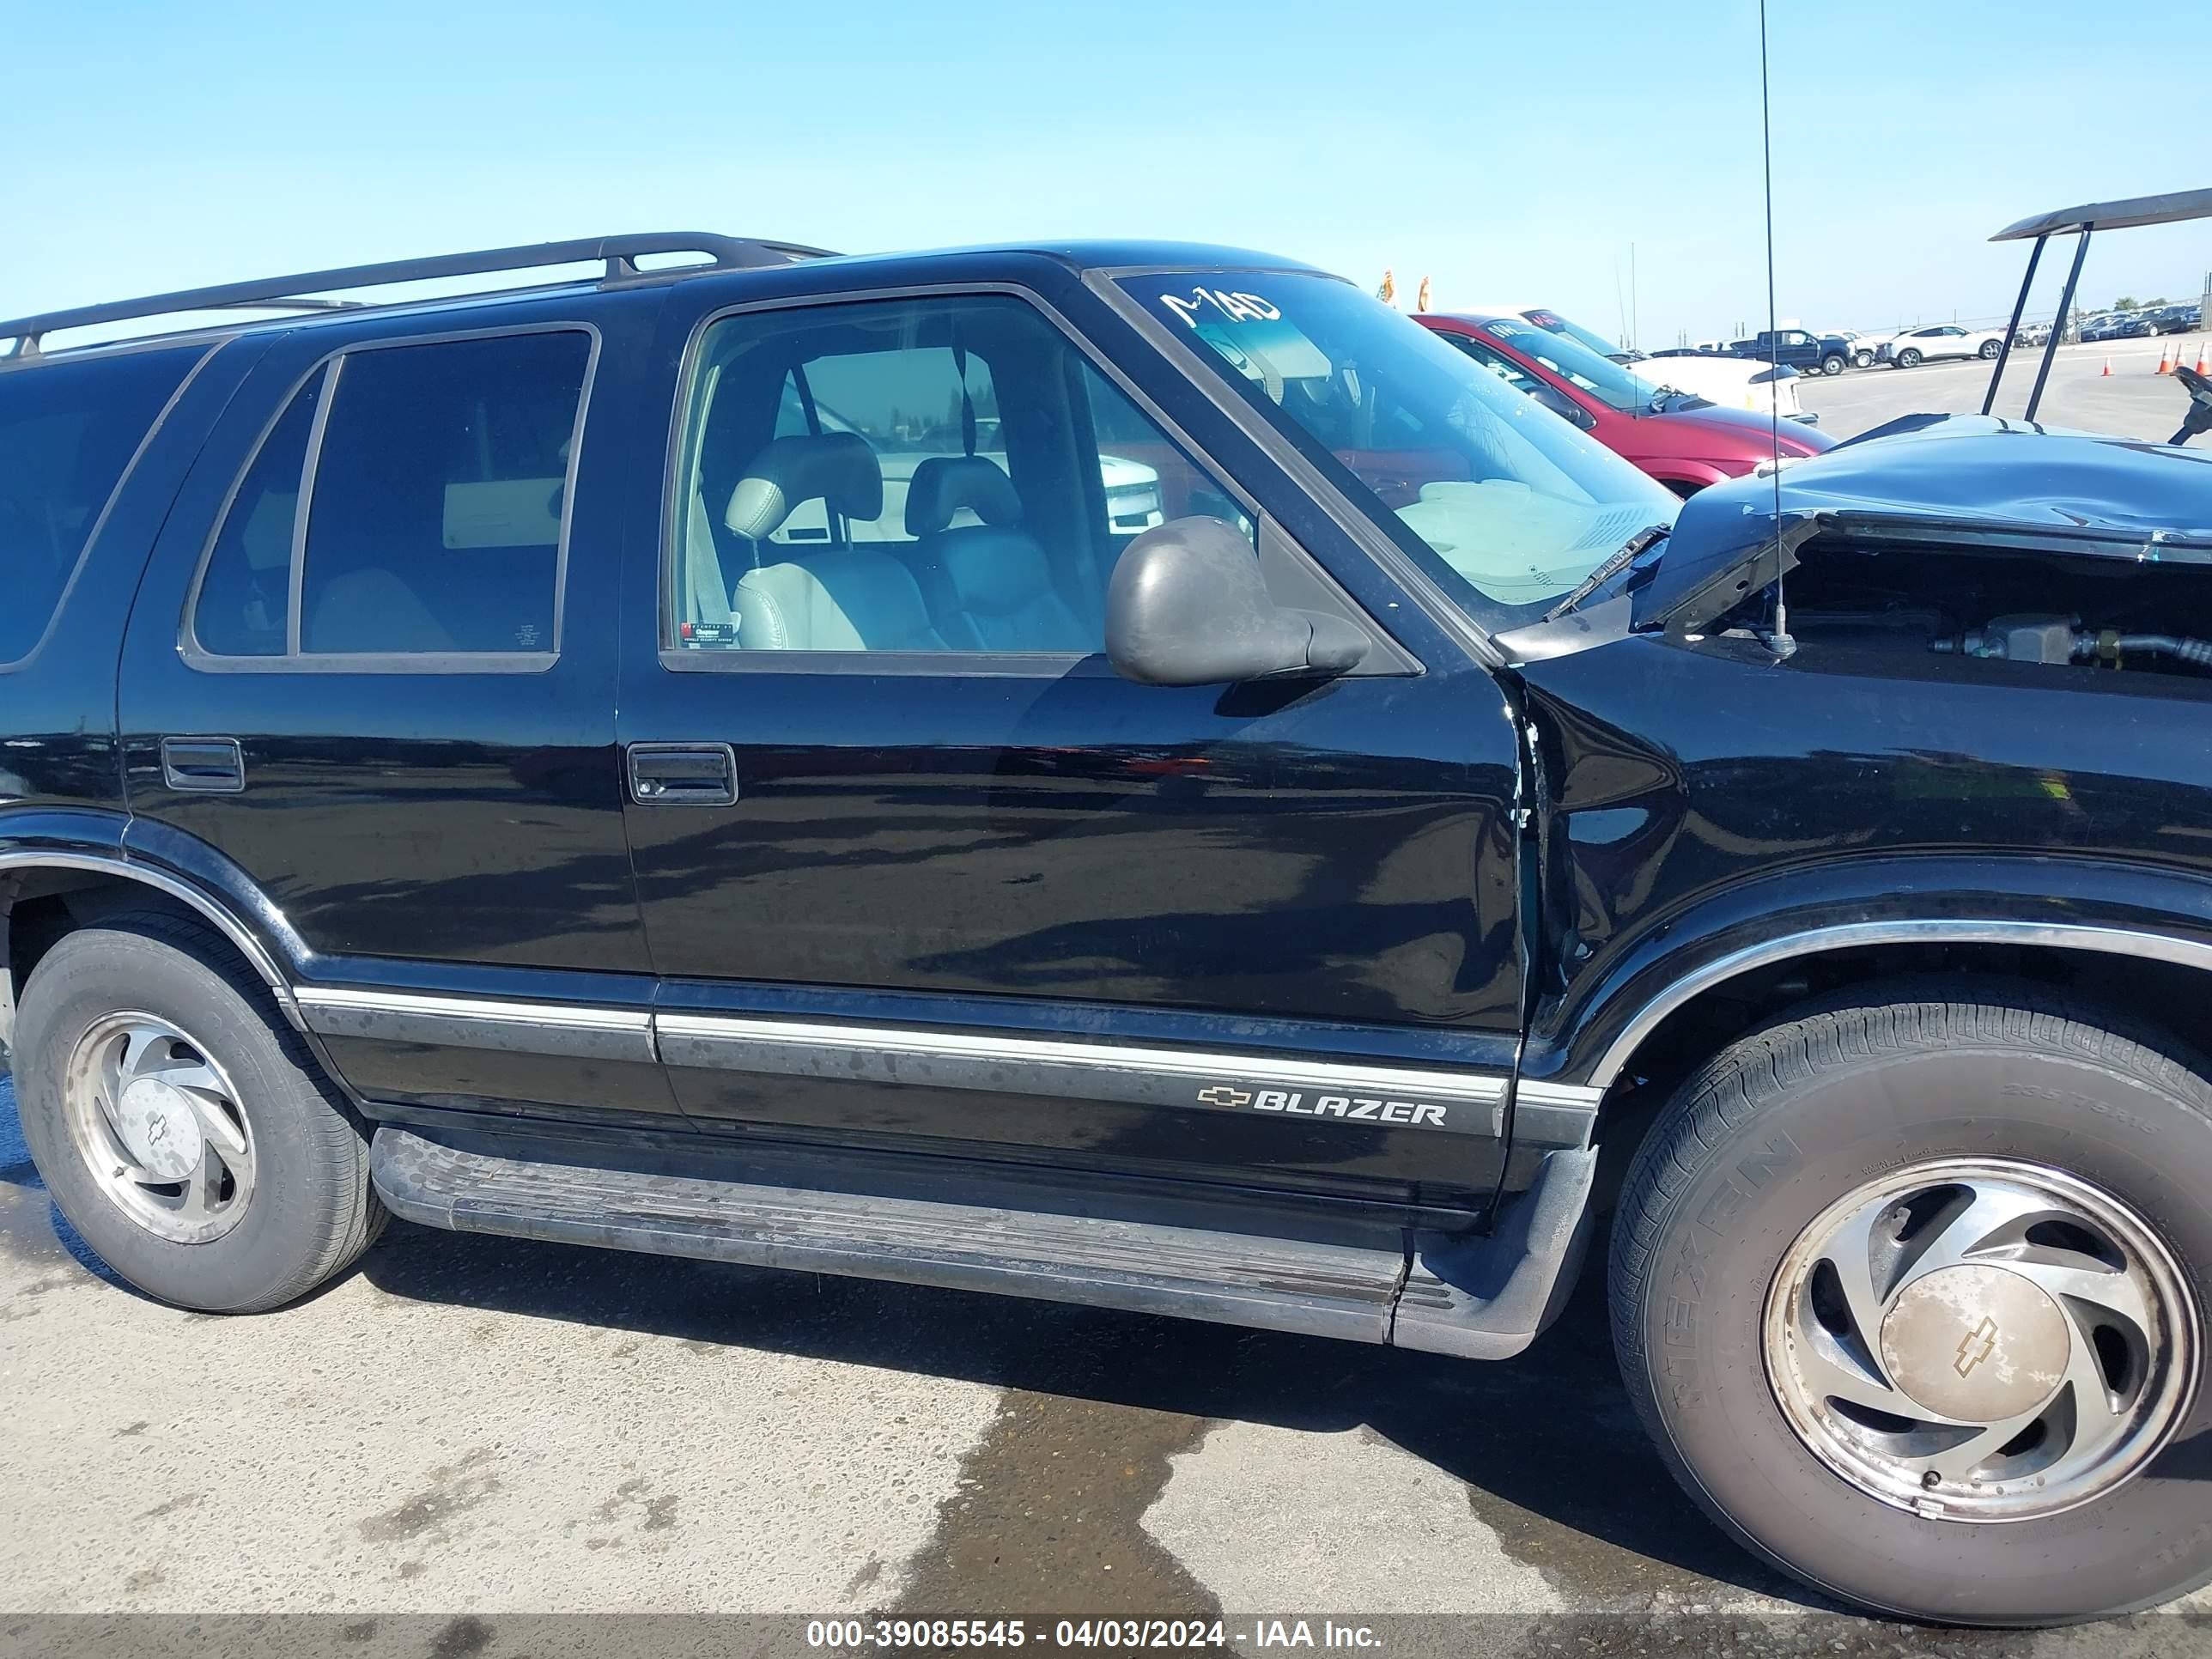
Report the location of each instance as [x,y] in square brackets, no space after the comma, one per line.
[1731,382]
[1938,341]
[1867,348]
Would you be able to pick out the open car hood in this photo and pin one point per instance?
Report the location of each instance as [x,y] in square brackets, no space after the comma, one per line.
[1942,480]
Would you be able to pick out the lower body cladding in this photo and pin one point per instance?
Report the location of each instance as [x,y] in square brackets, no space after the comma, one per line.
[964,1212]
[1382,1123]
[1227,1256]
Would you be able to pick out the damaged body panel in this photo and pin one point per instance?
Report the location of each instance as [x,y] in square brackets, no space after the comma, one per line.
[1994,687]
[1953,482]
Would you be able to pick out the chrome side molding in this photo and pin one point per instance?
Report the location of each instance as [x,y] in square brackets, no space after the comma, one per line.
[1290,1086]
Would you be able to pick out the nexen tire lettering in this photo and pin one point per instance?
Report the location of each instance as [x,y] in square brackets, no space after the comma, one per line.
[1349,1106]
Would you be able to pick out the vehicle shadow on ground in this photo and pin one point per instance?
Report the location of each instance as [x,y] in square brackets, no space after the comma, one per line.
[1546,1441]
[1552,1434]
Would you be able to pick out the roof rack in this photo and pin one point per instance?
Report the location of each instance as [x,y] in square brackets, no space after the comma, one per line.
[288,293]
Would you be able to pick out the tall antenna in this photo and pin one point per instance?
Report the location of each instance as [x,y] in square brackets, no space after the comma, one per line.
[1783,646]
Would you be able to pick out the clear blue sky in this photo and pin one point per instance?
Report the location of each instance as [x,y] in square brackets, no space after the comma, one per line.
[1514,150]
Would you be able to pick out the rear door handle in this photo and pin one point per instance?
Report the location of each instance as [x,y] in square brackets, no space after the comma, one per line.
[682,774]
[203,766]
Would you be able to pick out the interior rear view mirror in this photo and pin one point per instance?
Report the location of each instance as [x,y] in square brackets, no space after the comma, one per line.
[1564,406]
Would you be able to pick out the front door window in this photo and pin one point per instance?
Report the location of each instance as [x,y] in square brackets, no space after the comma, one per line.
[945,475]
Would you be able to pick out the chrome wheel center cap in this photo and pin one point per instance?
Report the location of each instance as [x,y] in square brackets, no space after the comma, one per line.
[1976,1343]
[158,1127]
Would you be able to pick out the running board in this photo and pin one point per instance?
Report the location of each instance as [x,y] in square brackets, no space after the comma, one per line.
[1239,1260]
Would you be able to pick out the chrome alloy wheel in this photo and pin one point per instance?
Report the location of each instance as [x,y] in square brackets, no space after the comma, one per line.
[159,1127]
[1982,1340]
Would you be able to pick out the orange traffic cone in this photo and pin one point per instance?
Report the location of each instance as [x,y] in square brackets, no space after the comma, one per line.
[2107,374]
[2203,367]
[2164,363]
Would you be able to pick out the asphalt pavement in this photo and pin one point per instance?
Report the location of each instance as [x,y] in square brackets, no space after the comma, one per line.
[470,1445]
[2133,401]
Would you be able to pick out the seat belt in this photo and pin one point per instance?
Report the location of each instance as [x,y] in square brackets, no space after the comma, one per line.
[840,536]
[708,597]
[967,403]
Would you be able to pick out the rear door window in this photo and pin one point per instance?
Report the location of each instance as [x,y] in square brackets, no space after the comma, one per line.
[68,432]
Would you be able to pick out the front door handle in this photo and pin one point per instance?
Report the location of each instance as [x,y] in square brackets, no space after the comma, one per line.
[203,766]
[682,774]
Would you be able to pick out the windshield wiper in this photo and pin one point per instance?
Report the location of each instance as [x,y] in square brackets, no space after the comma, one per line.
[1626,554]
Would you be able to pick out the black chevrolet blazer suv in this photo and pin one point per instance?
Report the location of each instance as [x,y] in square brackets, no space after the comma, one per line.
[1134,774]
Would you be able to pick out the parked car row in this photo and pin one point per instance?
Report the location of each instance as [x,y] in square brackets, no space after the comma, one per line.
[2142,323]
[1760,388]
[1684,441]
[1832,353]
[2119,325]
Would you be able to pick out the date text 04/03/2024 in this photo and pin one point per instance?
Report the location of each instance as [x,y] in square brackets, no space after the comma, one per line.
[1085,1634]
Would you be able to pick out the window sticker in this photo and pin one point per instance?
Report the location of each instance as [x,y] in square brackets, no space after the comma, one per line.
[1237,307]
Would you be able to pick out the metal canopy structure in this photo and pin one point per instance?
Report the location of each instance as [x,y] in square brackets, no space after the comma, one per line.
[2114,215]
[293,293]
[2079,222]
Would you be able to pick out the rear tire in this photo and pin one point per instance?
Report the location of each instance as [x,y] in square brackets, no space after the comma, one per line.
[1787,1128]
[1988,350]
[1862,360]
[1908,358]
[143,1051]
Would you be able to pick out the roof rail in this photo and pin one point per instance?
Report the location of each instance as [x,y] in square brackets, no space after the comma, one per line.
[287,293]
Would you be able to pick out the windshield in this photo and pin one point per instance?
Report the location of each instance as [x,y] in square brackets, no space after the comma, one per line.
[1505,505]
[1570,359]
[1551,323]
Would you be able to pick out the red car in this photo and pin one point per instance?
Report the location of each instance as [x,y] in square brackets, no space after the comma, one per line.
[1684,441]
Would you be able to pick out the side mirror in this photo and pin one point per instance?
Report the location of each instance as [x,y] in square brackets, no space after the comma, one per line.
[1187,606]
[1562,405]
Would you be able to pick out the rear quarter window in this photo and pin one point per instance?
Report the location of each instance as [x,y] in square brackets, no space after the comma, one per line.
[68,433]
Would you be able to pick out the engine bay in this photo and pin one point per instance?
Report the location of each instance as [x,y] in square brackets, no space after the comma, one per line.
[2091,612]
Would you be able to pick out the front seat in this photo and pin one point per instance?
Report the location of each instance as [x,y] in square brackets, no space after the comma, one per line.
[995,586]
[840,599]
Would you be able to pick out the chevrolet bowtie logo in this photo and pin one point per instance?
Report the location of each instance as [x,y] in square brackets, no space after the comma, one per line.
[1976,1346]
[1222,1095]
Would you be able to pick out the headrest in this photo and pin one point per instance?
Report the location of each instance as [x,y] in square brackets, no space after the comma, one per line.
[838,467]
[944,483]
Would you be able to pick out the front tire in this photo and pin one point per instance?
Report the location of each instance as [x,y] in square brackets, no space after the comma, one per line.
[181,1126]
[1831,364]
[1822,1204]
[1862,360]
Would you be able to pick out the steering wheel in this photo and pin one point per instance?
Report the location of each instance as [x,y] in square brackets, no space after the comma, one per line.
[2199,418]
